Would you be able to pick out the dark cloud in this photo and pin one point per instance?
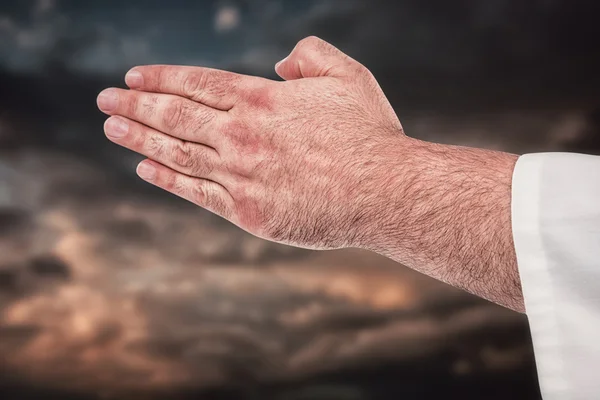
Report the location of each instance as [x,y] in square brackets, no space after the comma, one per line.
[13,221]
[470,41]
[437,37]
[50,267]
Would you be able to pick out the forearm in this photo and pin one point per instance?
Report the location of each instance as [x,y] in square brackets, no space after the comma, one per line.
[447,215]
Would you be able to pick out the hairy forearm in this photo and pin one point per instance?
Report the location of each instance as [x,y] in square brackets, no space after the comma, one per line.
[447,214]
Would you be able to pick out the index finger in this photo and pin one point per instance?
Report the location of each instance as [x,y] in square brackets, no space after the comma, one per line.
[211,87]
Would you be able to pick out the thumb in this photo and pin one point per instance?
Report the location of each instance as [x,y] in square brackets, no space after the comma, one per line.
[313,57]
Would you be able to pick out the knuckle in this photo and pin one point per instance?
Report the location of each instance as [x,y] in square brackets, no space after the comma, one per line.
[180,186]
[196,162]
[208,85]
[147,108]
[181,155]
[173,113]
[193,84]
[200,195]
[156,146]
[203,116]
[310,42]
[203,164]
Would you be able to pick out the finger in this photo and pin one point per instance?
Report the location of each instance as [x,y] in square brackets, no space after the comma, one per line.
[211,87]
[203,192]
[186,157]
[313,57]
[167,113]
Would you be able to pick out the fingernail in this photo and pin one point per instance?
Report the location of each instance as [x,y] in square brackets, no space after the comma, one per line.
[108,100]
[134,79]
[116,127]
[146,171]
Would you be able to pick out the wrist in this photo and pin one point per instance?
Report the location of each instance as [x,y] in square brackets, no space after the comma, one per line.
[445,211]
[385,204]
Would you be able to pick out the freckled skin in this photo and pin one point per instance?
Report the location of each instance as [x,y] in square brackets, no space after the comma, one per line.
[321,161]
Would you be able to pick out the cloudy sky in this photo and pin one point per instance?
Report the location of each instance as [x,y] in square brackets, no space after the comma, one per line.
[111,35]
[427,55]
[104,292]
[465,35]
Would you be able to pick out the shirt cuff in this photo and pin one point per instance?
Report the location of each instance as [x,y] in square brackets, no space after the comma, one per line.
[535,273]
[556,231]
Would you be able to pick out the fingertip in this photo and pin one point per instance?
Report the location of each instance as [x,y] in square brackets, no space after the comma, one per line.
[134,79]
[146,170]
[107,100]
[116,127]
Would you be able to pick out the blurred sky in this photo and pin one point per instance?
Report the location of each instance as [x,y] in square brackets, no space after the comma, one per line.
[463,36]
[115,33]
[435,55]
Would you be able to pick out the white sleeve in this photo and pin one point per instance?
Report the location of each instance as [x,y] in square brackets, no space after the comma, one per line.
[556,229]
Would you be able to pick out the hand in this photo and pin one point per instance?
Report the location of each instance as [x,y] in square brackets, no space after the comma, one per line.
[321,161]
[298,162]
